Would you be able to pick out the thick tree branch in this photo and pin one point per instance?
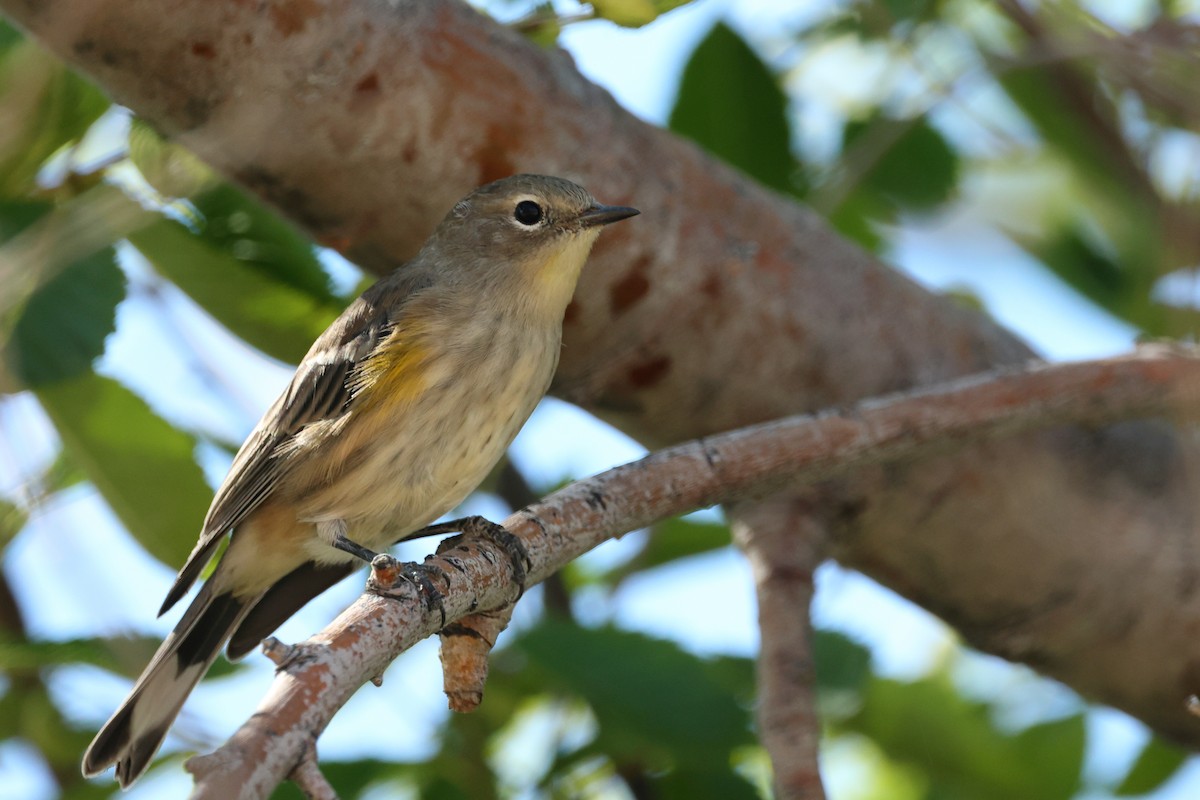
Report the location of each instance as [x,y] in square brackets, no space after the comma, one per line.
[318,676]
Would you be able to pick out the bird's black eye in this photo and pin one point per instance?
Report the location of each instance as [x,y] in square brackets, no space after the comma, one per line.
[528,213]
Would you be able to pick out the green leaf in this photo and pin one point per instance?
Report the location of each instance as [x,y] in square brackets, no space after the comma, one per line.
[856,218]
[669,541]
[62,473]
[1120,286]
[12,520]
[9,37]
[259,305]
[634,13]
[19,655]
[17,214]
[1039,92]
[168,167]
[655,703]
[42,725]
[908,10]
[48,107]
[142,465]
[929,726]
[876,19]
[841,662]
[732,105]
[689,783]
[354,778]
[62,327]
[258,237]
[1155,765]
[907,164]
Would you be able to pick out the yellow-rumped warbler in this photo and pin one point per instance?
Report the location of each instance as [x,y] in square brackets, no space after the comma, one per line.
[394,416]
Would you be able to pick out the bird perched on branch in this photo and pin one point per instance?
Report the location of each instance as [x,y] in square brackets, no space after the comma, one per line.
[394,416]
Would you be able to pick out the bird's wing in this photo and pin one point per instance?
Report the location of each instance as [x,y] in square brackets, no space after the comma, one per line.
[319,390]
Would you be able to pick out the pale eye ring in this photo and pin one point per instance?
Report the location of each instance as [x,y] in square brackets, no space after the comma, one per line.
[528,213]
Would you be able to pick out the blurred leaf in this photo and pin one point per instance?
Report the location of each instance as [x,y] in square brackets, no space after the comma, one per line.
[875,19]
[17,214]
[654,702]
[62,473]
[1155,765]
[41,723]
[906,163]
[1078,133]
[168,167]
[86,790]
[854,217]
[841,662]
[353,778]
[930,726]
[731,104]
[260,238]
[699,783]
[9,37]
[262,306]
[142,465]
[964,296]
[12,520]
[1122,288]
[906,10]
[670,541]
[63,325]
[26,656]
[634,13]
[46,107]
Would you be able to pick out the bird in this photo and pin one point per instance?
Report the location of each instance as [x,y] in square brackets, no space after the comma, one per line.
[397,412]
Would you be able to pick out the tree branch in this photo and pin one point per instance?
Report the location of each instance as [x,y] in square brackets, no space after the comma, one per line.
[319,675]
[783,541]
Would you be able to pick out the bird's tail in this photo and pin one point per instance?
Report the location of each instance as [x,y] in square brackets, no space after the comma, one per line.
[133,735]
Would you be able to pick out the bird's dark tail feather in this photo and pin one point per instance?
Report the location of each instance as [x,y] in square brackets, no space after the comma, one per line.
[133,735]
[285,598]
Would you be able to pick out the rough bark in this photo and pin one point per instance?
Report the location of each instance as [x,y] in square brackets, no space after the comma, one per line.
[723,305]
[786,707]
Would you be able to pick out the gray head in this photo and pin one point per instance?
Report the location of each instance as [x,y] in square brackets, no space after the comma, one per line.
[527,234]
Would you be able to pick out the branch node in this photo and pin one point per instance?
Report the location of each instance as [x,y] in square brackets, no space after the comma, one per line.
[280,654]
[385,571]
[308,777]
[466,645]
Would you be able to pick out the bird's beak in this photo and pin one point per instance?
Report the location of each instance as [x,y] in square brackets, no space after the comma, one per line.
[603,215]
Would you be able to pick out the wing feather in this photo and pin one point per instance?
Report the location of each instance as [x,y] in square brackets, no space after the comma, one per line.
[320,390]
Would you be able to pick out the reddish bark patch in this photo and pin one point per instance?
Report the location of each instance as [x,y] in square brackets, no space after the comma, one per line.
[629,290]
[338,242]
[493,155]
[204,50]
[409,154]
[370,83]
[650,372]
[712,288]
[290,18]
[571,315]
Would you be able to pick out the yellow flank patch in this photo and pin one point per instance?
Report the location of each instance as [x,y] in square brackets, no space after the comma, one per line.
[397,372]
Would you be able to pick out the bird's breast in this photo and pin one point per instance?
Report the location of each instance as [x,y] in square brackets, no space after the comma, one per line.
[398,461]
